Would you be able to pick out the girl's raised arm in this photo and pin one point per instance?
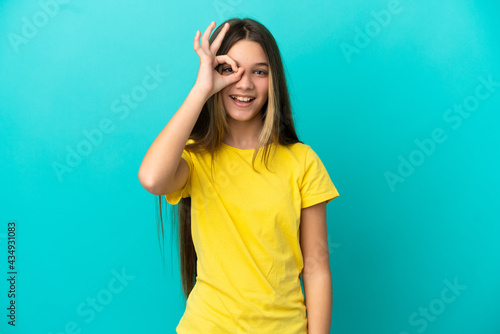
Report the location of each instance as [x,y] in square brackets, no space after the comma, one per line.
[162,170]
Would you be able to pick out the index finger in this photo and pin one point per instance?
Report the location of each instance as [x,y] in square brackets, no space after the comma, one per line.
[218,40]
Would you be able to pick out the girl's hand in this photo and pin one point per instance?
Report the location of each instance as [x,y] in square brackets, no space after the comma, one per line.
[209,80]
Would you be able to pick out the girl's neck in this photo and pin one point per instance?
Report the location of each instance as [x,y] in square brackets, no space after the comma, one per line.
[243,135]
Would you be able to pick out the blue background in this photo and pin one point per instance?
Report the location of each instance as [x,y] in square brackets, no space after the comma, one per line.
[394,247]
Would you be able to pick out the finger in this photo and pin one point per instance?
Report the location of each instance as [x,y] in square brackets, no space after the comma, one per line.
[197,47]
[225,59]
[218,40]
[230,79]
[206,35]
[197,41]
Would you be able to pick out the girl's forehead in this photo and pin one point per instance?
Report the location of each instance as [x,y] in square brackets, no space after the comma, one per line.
[247,52]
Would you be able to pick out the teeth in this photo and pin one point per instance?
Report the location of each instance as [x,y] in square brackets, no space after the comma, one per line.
[244,99]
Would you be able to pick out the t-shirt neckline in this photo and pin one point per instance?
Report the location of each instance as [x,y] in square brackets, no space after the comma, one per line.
[237,149]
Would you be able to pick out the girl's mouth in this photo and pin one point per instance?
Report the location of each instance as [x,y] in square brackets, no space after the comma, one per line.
[242,101]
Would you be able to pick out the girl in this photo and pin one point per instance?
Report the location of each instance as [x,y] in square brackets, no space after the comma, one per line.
[248,227]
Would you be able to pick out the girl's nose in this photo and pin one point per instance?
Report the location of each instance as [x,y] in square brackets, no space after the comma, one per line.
[245,82]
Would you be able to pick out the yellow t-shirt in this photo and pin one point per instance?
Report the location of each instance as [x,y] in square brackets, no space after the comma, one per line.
[245,229]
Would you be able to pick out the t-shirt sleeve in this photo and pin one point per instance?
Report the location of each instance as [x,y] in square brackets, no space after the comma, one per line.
[316,184]
[175,197]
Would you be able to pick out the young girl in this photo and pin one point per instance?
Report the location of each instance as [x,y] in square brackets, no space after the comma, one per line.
[252,197]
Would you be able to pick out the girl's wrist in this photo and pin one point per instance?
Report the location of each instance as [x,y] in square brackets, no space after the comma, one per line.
[200,94]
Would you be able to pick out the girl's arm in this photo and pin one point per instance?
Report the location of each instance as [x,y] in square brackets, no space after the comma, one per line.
[161,171]
[316,275]
[159,166]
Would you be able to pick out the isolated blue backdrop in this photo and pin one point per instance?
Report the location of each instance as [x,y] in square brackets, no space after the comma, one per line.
[400,99]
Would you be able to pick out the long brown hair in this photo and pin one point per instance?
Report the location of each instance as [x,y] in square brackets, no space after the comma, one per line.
[208,131]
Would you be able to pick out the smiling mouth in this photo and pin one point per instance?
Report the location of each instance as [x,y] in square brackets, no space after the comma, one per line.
[242,99]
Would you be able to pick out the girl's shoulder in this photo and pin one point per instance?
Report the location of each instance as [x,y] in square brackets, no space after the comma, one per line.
[303,153]
[297,148]
[296,153]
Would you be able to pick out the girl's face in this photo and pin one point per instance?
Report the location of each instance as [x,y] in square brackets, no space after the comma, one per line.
[253,84]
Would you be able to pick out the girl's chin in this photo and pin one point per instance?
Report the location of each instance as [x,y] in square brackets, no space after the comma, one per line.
[241,115]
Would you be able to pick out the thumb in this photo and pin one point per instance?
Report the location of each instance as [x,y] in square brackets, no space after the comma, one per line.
[235,76]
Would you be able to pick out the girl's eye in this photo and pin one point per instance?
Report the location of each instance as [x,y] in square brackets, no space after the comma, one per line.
[230,70]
